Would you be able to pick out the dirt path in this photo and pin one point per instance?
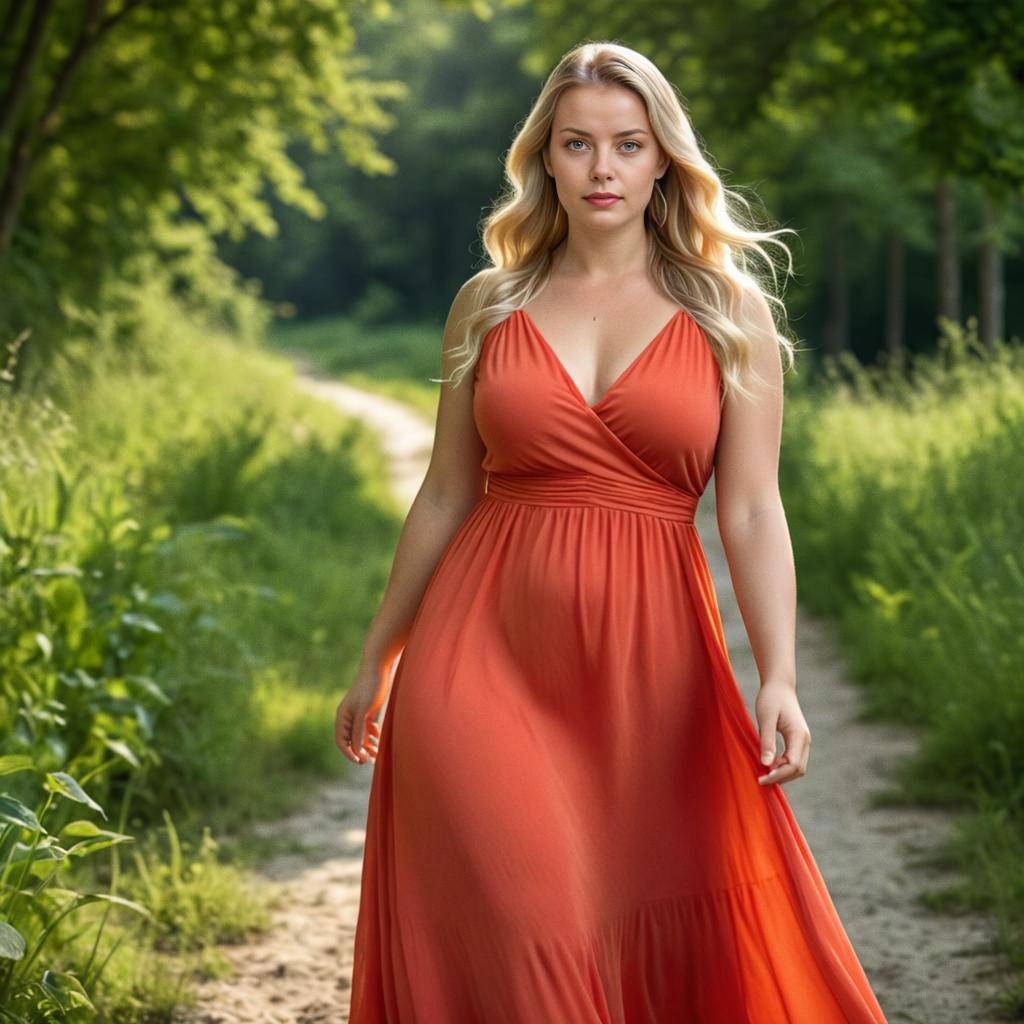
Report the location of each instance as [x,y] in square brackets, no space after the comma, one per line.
[925,969]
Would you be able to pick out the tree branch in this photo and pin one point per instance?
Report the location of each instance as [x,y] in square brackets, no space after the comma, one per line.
[11,18]
[17,91]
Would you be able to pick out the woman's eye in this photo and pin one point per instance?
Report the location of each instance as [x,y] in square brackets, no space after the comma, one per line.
[628,142]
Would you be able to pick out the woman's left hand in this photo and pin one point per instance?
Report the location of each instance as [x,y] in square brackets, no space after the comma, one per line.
[778,710]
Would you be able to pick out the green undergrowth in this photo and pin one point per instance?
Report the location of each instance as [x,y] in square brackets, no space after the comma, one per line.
[190,550]
[905,497]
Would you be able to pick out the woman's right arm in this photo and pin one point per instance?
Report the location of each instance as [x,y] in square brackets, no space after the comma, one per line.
[451,487]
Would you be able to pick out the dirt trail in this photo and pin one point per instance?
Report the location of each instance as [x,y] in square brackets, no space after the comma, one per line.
[924,968]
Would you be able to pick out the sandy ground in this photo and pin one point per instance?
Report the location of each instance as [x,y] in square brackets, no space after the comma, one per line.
[925,968]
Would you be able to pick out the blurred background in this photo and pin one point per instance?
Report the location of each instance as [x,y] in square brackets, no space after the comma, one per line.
[195,196]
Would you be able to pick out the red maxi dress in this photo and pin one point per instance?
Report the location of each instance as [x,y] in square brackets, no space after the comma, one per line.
[565,824]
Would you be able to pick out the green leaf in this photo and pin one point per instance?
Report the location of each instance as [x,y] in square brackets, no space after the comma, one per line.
[17,813]
[44,645]
[140,621]
[11,763]
[61,782]
[150,687]
[78,679]
[122,528]
[46,851]
[66,990]
[12,942]
[106,897]
[56,570]
[122,748]
[93,838]
[84,827]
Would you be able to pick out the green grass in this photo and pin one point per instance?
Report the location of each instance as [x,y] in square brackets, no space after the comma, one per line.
[905,504]
[192,553]
[394,360]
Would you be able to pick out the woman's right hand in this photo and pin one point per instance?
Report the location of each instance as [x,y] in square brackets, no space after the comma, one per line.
[356,731]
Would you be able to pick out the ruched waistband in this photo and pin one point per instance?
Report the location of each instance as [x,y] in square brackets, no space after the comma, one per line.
[646,497]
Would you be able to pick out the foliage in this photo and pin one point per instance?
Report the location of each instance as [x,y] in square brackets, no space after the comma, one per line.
[34,906]
[405,240]
[186,557]
[904,487]
[148,129]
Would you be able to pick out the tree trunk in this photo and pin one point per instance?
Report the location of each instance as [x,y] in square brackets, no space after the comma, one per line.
[947,259]
[895,293]
[838,317]
[991,287]
[17,91]
[12,190]
[11,18]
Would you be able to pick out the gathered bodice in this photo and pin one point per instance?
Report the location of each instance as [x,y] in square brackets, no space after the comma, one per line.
[658,422]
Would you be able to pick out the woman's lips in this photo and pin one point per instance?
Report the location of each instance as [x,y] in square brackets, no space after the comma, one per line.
[605,201]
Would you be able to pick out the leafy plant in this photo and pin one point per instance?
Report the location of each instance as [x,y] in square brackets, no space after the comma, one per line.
[33,907]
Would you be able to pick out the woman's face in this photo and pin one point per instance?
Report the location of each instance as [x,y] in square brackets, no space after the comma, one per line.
[602,141]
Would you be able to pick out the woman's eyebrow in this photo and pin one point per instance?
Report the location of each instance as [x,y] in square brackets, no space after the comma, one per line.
[628,131]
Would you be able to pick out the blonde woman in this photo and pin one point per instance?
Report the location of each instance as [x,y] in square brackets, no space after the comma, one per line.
[572,818]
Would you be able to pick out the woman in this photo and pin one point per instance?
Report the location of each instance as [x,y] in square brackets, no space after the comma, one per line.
[572,817]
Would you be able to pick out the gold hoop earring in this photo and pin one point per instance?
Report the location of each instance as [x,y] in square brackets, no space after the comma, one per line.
[658,205]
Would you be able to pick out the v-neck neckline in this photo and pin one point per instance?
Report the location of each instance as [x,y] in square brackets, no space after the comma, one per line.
[619,380]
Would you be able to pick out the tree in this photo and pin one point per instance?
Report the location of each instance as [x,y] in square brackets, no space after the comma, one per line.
[121,116]
[950,72]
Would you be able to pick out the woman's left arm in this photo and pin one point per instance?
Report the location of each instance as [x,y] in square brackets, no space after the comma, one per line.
[755,536]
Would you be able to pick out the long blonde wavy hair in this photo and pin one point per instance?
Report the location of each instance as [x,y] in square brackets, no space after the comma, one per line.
[698,248]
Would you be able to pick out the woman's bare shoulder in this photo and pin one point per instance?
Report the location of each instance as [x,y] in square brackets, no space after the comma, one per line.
[468,296]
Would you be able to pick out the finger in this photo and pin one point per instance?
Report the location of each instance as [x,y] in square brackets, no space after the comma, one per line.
[798,748]
[368,752]
[364,753]
[343,734]
[362,750]
[364,744]
[782,773]
[349,752]
[343,739]
[355,746]
[348,745]
[768,742]
[371,731]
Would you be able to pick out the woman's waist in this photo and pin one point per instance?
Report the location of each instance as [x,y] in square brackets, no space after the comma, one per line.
[628,494]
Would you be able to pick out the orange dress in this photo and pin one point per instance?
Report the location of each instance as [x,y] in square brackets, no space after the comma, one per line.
[565,824]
